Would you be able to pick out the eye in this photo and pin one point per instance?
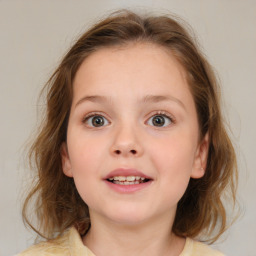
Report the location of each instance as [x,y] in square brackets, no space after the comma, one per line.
[159,120]
[96,121]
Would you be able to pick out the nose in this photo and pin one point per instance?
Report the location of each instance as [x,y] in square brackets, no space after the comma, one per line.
[126,143]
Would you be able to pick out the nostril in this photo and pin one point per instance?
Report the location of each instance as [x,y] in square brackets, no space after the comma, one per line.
[120,152]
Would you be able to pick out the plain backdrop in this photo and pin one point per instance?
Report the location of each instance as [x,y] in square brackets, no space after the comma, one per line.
[34,35]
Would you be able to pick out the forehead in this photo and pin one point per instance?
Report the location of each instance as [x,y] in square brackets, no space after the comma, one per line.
[136,64]
[133,52]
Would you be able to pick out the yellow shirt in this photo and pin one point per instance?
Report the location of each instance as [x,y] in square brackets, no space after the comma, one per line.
[70,244]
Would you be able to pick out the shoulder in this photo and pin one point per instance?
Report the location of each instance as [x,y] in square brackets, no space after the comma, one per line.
[195,248]
[58,246]
[69,243]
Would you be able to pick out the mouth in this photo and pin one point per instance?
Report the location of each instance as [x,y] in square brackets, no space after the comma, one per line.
[128,180]
[125,180]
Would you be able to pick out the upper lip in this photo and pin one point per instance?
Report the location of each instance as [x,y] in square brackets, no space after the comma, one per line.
[126,172]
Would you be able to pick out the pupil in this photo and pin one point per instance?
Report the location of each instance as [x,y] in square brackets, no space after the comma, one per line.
[97,121]
[158,121]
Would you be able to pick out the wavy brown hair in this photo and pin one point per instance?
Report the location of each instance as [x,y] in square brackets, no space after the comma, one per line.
[201,209]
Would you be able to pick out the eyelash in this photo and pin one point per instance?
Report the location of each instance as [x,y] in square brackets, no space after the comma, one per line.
[160,113]
[93,114]
[164,114]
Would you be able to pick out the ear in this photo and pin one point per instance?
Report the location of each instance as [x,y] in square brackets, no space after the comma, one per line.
[200,160]
[66,165]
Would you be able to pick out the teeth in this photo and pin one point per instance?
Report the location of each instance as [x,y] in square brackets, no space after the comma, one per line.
[131,178]
[120,178]
[127,180]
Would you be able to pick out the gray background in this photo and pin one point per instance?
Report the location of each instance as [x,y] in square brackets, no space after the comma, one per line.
[35,35]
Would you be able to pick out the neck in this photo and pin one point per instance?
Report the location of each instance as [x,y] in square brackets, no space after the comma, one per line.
[152,238]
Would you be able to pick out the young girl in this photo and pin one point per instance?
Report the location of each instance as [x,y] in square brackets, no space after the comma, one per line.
[132,157]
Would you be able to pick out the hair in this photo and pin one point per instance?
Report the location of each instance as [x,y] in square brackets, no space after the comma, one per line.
[58,205]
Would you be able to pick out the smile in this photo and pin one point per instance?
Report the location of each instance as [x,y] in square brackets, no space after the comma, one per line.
[127,180]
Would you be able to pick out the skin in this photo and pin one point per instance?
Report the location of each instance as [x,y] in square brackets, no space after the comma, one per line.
[126,82]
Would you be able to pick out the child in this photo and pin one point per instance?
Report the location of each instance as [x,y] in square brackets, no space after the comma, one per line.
[132,157]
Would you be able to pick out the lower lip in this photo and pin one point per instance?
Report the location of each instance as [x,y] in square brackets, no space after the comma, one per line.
[128,188]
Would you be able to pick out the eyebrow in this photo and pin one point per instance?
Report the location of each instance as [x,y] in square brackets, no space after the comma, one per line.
[146,99]
[92,98]
[160,98]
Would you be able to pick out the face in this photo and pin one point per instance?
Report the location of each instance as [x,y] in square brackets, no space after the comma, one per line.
[133,136]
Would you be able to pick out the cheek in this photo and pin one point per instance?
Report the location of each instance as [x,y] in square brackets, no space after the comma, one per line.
[173,159]
[174,153]
[86,161]
[174,176]
[84,150]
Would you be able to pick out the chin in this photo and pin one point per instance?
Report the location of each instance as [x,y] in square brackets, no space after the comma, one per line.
[129,218]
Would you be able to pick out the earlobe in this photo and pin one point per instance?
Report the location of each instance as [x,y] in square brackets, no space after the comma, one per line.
[201,157]
[66,165]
